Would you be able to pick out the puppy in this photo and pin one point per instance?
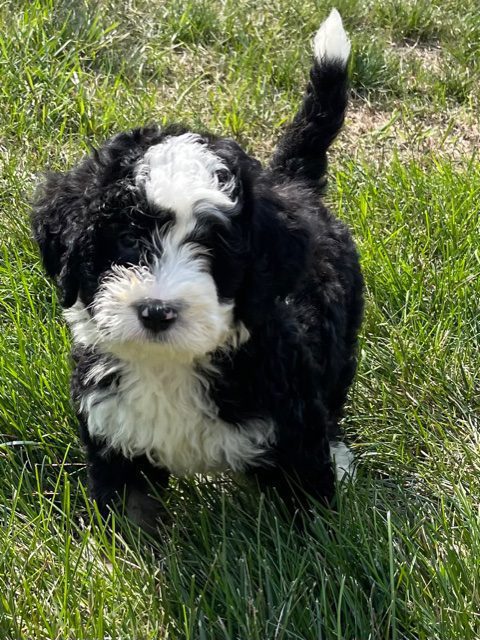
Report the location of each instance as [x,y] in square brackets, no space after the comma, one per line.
[214,303]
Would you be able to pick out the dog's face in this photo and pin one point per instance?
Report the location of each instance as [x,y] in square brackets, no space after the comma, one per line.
[167,243]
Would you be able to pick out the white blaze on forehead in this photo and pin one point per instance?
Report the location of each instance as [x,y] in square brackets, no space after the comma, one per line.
[180,174]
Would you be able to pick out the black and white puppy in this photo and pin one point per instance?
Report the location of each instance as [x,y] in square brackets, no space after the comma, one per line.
[214,303]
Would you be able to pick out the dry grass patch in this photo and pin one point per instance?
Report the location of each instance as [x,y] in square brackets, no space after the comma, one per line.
[377,134]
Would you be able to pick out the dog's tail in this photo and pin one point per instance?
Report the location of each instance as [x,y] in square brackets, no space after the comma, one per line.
[302,151]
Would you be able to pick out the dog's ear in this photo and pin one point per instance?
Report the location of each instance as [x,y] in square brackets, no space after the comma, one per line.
[55,225]
[279,250]
[235,157]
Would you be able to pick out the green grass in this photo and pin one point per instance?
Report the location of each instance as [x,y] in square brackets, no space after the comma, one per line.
[399,558]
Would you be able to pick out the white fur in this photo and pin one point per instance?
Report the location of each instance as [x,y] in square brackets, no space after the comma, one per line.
[85,331]
[83,328]
[181,279]
[331,43]
[180,174]
[163,411]
[343,460]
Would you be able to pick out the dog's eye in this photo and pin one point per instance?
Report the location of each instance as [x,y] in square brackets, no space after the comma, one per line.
[223,176]
[128,241]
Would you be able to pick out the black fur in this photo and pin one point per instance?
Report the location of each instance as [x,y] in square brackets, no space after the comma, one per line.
[302,152]
[289,265]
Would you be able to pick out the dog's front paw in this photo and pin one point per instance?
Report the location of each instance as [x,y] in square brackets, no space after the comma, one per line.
[143,510]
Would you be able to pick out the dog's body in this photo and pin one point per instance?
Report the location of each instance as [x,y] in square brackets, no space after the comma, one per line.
[214,304]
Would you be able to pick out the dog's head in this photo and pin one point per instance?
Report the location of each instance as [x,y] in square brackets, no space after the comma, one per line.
[167,241]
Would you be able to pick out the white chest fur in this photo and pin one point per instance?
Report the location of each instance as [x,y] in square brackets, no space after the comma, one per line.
[165,413]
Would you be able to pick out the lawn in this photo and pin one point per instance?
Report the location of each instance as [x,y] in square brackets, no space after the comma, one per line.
[400,558]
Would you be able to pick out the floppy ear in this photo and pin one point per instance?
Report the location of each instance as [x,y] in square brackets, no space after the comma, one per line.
[280,247]
[235,157]
[55,229]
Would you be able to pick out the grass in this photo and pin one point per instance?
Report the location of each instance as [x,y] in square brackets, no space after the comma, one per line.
[399,558]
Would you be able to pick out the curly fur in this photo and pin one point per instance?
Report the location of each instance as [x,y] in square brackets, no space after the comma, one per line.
[263,284]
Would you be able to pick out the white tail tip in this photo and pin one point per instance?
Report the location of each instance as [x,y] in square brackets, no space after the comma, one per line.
[331,43]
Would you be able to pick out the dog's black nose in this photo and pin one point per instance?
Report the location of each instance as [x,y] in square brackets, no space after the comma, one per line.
[155,314]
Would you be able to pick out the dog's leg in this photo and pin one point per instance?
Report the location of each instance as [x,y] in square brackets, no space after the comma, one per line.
[302,151]
[299,465]
[298,481]
[130,485]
